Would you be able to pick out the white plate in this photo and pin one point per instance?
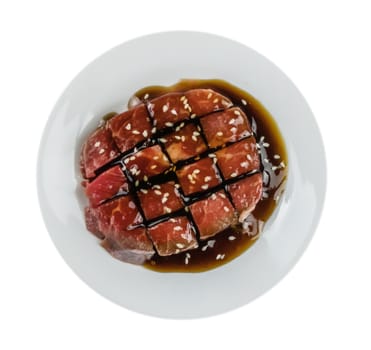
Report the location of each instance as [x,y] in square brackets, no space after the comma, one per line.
[163,59]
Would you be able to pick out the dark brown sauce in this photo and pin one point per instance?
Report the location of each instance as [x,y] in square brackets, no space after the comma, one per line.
[232,242]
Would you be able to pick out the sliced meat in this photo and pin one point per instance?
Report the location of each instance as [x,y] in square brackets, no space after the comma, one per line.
[98,150]
[106,185]
[117,221]
[239,158]
[173,236]
[130,128]
[245,194]
[185,143]
[198,177]
[204,101]
[146,163]
[213,214]
[159,200]
[168,109]
[227,126]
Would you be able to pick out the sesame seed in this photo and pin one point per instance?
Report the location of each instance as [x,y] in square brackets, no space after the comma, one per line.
[97,144]
[166,194]
[212,155]
[144,191]
[163,200]
[215,160]
[135,132]
[176,185]
[128,126]
[159,193]
[257,146]
[209,95]
[145,133]
[234,174]
[226,209]
[174,112]
[233,130]
[131,205]
[177,128]
[177,137]
[215,100]
[213,196]
[204,248]
[182,98]
[186,209]
[156,186]
[187,106]
[237,112]
[183,138]
[219,133]
[154,166]
[178,228]
[186,261]
[162,140]
[276,156]
[248,156]
[222,195]
[211,243]
[169,124]
[167,210]
[132,158]
[265,144]
[101,151]
[196,133]
[194,138]
[196,171]
[154,130]
[181,124]
[193,116]
[232,121]
[262,138]
[218,257]
[180,245]
[205,187]
[243,102]
[145,178]
[244,164]
[274,167]
[165,108]
[136,183]
[188,255]
[226,103]
[282,164]
[266,160]
[231,238]
[126,161]
[207,178]
[146,96]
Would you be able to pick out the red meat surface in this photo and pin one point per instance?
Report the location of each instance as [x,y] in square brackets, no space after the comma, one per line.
[173,236]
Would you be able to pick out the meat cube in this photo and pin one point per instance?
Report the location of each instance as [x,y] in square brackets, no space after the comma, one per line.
[204,101]
[227,126]
[130,128]
[146,163]
[213,214]
[185,143]
[173,236]
[245,194]
[106,185]
[159,200]
[168,109]
[199,176]
[118,222]
[238,158]
[98,150]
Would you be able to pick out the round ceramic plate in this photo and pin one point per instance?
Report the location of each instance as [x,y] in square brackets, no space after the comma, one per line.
[105,85]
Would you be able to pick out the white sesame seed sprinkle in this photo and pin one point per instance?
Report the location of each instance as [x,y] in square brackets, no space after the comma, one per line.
[211,243]
[233,130]
[180,245]
[193,116]
[183,98]
[204,248]
[207,178]
[188,255]
[145,133]
[97,144]
[196,171]
[213,196]
[266,160]
[154,130]
[222,195]
[156,186]
[135,132]
[266,144]
[178,228]
[167,210]
[146,96]
[126,161]
[244,102]
[128,126]
[164,200]
[177,137]
[231,238]
[177,186]
[101,151]
[205,187]
[196,133]
[169,124]
[215,160]
[219,133]
[232,121]
[165,108]
[226,209]
[194,138]
[144,191]
[282,164]
[209,95]
[136,183]
[215,100]
[154,166]
[248,156]
[159,193]
[234,174]
[145,178]
[244,164]
[183,138]
[276,156]
[162,140]
[237,112]
[132,158]
[274,167]
[212,155]
[174,112]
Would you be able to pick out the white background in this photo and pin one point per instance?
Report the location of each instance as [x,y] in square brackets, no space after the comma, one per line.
[323,46]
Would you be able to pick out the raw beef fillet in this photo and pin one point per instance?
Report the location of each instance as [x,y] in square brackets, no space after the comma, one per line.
[169,173]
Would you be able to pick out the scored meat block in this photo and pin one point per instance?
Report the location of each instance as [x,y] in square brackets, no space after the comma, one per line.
[227,126]
[239,158]
[146,163]
[204,101]
[199,176]
[245,194]
[159,200]
[173,236]
[130,127]
[213,214]
[185,143]
[106,185]
[97,151]
[117,221]
[169,173]
[168,109]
